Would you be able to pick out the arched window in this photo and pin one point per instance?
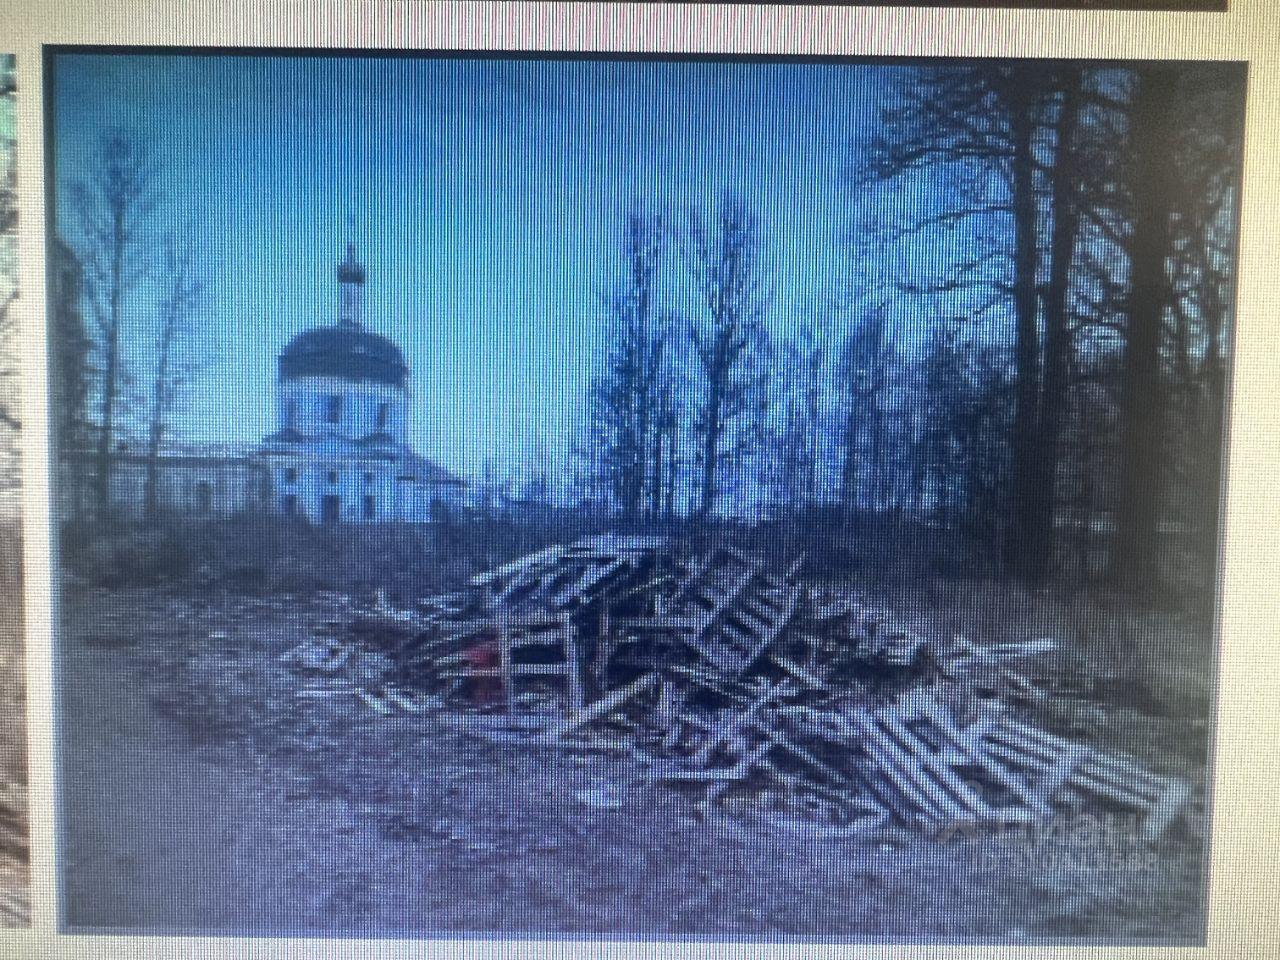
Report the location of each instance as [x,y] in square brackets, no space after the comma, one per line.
[333,408]
[384,409]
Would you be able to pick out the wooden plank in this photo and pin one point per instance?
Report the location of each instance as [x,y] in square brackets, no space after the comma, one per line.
[375,703]
[404,701]
[772,634]
[761,607]
[1060,771]
[1165,810]
[572,665]
[734,637]
[808,678]
[736,587]
[588,581]
[1118,769]
[543,556]
[516,670]
[741,614]
[946,777]
[735,722]
[595,711]
[672,623]
[800,753]
[527,580]
[907,773]
[967,744]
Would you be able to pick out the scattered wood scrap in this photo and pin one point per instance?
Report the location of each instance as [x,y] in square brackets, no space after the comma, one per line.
[725,676]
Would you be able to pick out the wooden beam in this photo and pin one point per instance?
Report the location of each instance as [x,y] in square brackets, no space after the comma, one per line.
[547,555]
[571,664]
[595,711]
[806,677]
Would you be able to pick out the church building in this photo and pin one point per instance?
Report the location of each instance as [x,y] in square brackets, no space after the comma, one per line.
[340,451]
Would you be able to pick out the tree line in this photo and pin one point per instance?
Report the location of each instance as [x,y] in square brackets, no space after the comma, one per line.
[1059,389]
[126,325]
[1028,357]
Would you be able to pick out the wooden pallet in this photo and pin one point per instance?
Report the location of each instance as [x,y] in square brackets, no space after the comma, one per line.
[1064,769]
[731,611]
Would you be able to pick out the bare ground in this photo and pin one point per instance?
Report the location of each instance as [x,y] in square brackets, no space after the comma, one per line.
[201,794]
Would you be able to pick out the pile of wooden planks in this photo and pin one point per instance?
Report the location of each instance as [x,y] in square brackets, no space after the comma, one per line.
[725,676]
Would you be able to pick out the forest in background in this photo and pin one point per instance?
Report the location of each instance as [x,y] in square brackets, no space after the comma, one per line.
[1057,412]
[1029,384]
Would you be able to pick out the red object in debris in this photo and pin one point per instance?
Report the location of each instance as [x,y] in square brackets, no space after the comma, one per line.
[485,690]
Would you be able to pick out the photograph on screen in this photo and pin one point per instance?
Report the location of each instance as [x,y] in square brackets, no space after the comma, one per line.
[14,851]
[649,498]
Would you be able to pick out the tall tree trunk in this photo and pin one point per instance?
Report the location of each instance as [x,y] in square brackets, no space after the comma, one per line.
[1057,335]
[672,440]
[159,403]
[151,493]
[849,463]
[111,368]
[1152,129]
[1021,558]
[710,450]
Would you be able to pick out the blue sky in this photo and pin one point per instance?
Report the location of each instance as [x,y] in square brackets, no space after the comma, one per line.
[486,196]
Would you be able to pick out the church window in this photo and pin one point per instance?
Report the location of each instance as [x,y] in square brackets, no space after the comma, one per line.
[368,478]
[333,408]
[291,475]
[330,508]
[289,505]
[333,477]
[370,508]
[290,413]
[383,410]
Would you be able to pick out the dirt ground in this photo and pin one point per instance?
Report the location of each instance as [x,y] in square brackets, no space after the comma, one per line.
[201,793]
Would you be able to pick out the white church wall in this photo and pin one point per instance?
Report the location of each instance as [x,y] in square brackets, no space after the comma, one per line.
[306,400]
[352,480]
[189,487]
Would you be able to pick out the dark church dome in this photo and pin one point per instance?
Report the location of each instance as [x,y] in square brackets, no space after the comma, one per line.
[343,351]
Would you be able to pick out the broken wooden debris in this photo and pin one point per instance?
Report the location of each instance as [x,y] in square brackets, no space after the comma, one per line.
[595,711]
[723,676]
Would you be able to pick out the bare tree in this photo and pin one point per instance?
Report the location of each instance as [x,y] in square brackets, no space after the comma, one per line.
[793,453]
[1182,166]
[113,204]
[632,400]
[1007,139]
[180,351]
[69,348]
[864,378]
[728,339]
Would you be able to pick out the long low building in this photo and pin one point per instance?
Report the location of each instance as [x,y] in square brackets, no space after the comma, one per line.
[339,453]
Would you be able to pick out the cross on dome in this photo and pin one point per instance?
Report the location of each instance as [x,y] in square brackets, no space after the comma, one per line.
[350,282]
